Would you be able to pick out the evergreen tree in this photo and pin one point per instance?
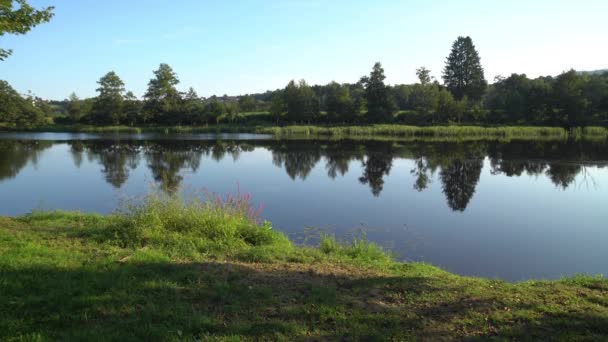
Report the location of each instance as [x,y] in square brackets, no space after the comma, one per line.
[463,74]
[162,100]
[380,103]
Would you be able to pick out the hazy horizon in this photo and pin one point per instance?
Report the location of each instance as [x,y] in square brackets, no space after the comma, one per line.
[240,47]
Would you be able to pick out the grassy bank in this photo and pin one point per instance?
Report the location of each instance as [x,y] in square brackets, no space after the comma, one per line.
[392,131]
[173,270]
[416,131]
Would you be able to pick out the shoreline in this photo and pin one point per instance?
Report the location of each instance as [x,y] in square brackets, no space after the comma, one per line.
[367,132]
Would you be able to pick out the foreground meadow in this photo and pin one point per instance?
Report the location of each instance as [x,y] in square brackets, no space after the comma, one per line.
[171,269]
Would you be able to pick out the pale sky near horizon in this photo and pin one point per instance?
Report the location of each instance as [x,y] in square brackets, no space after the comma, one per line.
[237,47]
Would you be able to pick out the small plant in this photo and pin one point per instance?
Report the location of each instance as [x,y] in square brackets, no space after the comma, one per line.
[239,204]
[359,249]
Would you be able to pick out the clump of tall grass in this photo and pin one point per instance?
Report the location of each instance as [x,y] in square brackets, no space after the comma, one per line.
[191,226]
[359,249]
[595,131]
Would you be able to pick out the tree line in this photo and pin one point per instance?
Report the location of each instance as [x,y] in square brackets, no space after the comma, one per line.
[464,96]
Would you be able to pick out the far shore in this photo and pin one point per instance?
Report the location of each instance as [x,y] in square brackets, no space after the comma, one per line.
[371,131]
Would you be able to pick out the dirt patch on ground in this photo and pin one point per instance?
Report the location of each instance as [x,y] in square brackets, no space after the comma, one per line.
[12,225]
[292,274]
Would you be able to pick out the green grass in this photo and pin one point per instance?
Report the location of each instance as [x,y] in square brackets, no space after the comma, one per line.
[380,131]
[170,270]
[416,131]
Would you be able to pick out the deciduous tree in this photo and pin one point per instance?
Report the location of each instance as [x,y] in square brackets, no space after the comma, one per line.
[338,103]
[20,19]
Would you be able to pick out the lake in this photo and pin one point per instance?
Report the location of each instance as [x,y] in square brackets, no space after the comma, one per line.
[509,210]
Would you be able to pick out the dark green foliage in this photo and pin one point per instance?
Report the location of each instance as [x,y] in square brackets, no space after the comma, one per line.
[18,111]
[380,102]
[247,103]
[232,111]
[463,74]
[131,109]
[301,101]
[278,107]
[425,95]
[508,98]
[74,108]
[10,103]
[568,93]
[193,108]
[338,104]
[402,94]
[20,19]
[570,99]
[214,109]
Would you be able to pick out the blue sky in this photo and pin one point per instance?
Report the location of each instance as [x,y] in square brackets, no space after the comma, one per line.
[236,47]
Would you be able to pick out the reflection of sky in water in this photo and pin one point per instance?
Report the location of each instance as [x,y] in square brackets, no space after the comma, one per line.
[471,219]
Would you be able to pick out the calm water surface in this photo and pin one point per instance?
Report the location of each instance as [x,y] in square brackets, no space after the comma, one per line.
[513,211]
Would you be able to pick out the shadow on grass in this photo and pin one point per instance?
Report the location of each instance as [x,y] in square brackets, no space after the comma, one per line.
[159,301]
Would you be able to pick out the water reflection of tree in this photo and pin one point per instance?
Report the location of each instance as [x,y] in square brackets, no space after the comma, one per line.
[77,150]
[167,160]
[376,165]
[116,158]
[459,180]
[423,171]
[458,164]
[164,159]
[561,161]
[222,147]
[460,167]
[297,159]
[563,174]
[15,155]
[338,156]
